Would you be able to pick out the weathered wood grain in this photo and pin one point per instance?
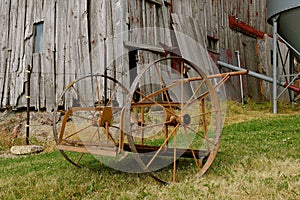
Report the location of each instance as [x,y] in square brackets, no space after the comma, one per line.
[75,31]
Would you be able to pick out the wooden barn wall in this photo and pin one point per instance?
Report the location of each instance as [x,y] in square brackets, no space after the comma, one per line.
[73,46]
[213,16]
[81,35]
[149,23]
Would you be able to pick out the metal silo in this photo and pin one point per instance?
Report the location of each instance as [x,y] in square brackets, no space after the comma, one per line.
[288,17]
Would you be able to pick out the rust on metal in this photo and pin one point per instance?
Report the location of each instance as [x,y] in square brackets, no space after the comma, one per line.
[242,27]
[106,117]
[170,117]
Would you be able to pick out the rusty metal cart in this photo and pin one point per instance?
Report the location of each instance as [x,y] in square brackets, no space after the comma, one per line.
[171,111]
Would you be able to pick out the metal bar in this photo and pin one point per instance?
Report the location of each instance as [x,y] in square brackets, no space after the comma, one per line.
[288,44]
[28,105]
[143,124]
[174,158]
[260,76]
[274,65]
[250,73]
[284,75]
[292,64]
[289,86]
[241,78]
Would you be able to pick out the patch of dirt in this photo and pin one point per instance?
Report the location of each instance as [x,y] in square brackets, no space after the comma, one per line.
[13,131]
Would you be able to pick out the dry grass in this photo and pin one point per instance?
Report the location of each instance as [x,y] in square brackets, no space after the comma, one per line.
[259,158]
[12,130]
[237,113]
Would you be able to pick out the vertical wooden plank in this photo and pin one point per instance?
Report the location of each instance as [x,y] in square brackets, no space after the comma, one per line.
[122,65]
[252,11]
[12,44]
[7,81]
[47,57]
[74,35]
[150,40]
[5,52]
[143,55]
[97,24]
[3,77]
[29,20]
[17,46]
[136,20]
[83,50]
[61,45]
[71,48]
[21,55]
[4,23]
[70,42]
[226,26]
[35,82]
[209,13]
[38,10]
[136,32]
[29,37]
[220,17]
[166,12]
[111,34]
[70,64]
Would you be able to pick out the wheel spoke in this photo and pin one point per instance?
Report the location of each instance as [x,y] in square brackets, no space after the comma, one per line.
[174,84]
[81,156]
[98,133]
[181,85]
[98,92]
[204,121]
[77,132]
[206,113]
[147,127]
[193,96]
[185,117]
[192,149]
[84,131]
[82,100]
[93,136]
[174,157]
[163,86]
[156,103]
[112,95]
[81,117]
[202,136]
[161,147]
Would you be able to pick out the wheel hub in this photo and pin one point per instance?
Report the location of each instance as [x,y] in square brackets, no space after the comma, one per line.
[175,120]
[186,119]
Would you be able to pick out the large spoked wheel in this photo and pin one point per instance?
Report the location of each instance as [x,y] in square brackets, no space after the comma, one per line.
[90,126]
[176,114]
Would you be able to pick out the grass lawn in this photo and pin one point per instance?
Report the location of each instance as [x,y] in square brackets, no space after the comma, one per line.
[259,158]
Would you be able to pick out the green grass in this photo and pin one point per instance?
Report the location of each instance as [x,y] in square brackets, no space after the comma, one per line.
[258,159]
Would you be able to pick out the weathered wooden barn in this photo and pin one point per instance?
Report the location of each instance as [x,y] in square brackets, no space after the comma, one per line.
[62,40]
